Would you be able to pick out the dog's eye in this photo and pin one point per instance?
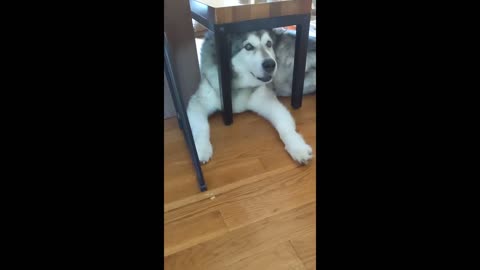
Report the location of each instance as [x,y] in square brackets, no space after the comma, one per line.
[269,44]
[248,47]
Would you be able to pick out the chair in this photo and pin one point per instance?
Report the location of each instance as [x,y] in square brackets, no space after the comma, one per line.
[232,16]
[182,113]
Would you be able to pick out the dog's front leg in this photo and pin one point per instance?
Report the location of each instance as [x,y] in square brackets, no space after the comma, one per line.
[264,102]
[198,113]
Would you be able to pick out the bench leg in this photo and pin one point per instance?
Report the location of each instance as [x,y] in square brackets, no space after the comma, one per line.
[224,73]
[301,42]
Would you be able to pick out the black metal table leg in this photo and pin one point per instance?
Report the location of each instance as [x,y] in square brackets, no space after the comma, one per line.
[301,41]
[224,72]
[180,124]
[182,114]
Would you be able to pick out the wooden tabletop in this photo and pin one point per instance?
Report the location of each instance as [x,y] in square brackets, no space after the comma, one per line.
[229,11]
[232,3]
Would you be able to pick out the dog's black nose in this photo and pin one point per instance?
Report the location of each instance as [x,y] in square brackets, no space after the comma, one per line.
[268,65]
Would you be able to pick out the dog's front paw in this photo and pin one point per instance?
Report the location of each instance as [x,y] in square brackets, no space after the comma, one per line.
[204,151]
[300,152]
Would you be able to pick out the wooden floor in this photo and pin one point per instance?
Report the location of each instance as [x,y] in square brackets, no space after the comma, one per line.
[259,210]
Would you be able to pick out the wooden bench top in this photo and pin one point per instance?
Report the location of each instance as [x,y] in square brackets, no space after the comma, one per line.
[229,11]
[232,3]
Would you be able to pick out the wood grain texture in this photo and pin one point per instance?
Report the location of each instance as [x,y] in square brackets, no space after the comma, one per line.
[284,192]
[171,209]
[306,249]
[211,193]
[225,11]
[281,257]
[232,3]
[248,241]
[186,233]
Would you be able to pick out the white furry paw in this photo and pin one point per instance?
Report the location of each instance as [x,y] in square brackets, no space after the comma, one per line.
[300,152]
[204,151]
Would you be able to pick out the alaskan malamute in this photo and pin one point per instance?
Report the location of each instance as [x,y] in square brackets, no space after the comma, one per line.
[262,67]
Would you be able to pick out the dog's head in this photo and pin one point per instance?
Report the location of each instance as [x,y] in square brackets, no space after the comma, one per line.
[253,56]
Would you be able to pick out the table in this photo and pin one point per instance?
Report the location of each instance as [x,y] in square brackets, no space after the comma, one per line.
[233,16]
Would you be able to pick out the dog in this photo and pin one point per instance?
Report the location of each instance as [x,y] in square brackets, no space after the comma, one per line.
[261,61]
[285,53]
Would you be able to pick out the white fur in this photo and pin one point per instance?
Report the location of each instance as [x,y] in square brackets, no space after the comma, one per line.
[248,93]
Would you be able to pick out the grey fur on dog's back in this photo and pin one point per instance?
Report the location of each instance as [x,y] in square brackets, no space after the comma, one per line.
[285,52]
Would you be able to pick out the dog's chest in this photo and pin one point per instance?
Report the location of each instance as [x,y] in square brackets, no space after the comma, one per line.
[240,98]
